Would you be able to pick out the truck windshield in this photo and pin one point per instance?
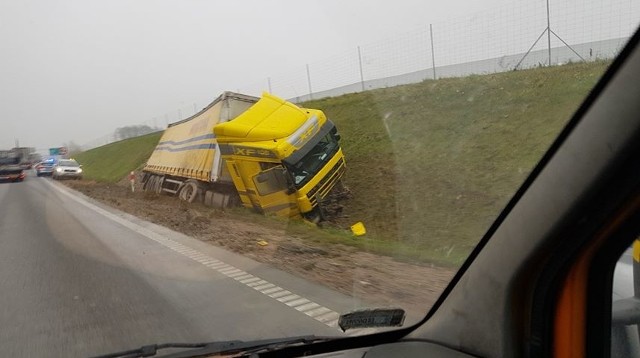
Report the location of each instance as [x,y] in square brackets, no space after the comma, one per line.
[9,161]
[310,164]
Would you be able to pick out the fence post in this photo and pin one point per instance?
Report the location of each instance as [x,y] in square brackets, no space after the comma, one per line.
[433,55]
[309,81]
[548,33]
[361,73]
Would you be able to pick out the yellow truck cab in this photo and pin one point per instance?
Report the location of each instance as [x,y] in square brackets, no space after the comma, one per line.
[265,153]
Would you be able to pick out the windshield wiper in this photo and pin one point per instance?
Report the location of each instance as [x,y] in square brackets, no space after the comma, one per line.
[223,347]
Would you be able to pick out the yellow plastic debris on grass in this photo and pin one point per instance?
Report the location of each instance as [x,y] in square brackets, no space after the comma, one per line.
[263,243]
[358,229]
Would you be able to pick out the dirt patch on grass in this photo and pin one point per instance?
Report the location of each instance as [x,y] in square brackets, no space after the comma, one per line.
[373,279]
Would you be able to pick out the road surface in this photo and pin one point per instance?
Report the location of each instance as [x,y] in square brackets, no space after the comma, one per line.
[80,279]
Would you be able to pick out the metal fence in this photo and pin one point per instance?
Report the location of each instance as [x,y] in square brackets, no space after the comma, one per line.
[523,35]
[520,36]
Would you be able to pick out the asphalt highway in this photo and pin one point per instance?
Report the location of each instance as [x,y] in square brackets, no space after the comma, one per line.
[80,279]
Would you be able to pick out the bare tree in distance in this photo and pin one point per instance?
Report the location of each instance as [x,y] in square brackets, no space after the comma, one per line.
[133,131]
[72,148]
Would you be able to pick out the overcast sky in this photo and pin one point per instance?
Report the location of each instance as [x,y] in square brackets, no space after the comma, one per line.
[77,70]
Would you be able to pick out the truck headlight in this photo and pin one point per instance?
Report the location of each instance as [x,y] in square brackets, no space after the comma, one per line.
[80,170]
[59,170]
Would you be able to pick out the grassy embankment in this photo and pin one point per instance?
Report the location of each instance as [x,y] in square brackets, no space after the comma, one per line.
[430,165]
[113,161]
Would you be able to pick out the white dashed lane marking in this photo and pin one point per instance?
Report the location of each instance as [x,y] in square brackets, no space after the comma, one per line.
[271,290]
[312,309]
[279,294]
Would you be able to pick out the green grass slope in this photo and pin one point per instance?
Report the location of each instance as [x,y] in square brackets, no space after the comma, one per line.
[113,161]
[431,165]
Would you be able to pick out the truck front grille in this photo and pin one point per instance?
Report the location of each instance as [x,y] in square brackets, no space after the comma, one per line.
[324,186]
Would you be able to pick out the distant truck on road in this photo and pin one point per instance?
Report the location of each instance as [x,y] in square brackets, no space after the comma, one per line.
[263,153]
[26,156]
[10,168]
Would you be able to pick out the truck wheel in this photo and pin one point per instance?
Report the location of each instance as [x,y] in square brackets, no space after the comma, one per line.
[148,184]
[189,191]
[145,183]
[152,184]
[158,184]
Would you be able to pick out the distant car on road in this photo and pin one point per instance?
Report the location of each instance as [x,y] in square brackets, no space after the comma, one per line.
[67,168]
[45,167]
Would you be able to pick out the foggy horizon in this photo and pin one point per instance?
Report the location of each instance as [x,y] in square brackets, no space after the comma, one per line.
[75,71]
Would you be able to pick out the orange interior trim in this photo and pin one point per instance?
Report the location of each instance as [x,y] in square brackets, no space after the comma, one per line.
[569,336]
[569,333]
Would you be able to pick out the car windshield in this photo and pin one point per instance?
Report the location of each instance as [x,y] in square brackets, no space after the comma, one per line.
[196,217]
[68,163]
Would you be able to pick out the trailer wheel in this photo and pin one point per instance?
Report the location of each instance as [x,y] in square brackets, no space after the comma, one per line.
[189,191]
[148,185]
[158,184]
[146,181]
